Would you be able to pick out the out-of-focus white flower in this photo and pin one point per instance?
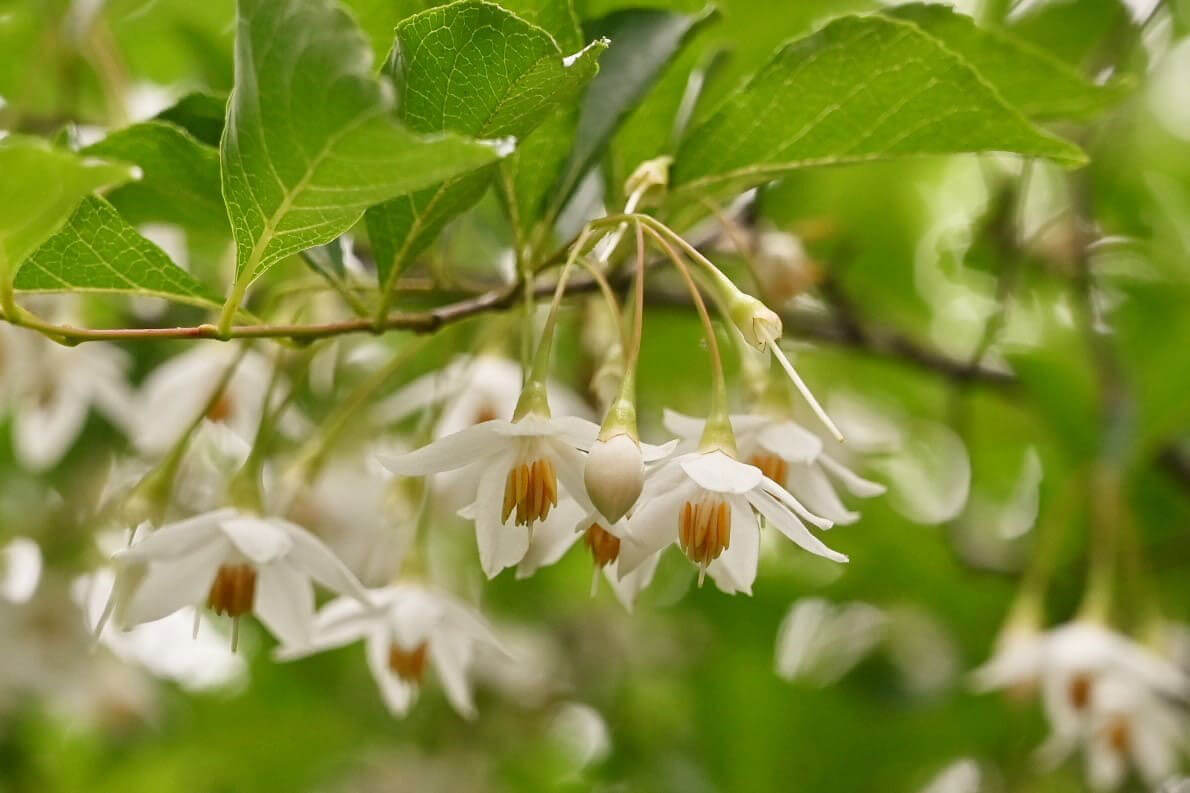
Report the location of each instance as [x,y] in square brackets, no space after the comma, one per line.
[582,733]
[184,646]
[925,463]
[174,393]
[52,388]
[407,630]
[356,508]
[521,470]
[1099,689]
[233,563]
[20,569]
[791,456]
[703,502]
[821,641]
[961,776]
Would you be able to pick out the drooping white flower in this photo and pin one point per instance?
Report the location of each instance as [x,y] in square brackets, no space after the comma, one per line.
[791,456]
[174,393]
[822,641]
[232,562]
[408,629]
[20,569]
[704,502]
[521,471]
[51,390]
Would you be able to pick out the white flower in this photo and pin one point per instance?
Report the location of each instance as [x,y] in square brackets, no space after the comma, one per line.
[1089,675]
[822,641]
[20,569]
[791,456]
[52,388]
[409,629]
[184,646]
[174,393]
[521,470]
[614,475]
[233,563]
[704,502]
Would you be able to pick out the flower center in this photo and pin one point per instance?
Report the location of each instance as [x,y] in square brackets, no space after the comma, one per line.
[409,665]
[605,546]
[1119,737]
[234,590]
[222,408]
[1080,691]
[771,465]
[704,529]
[485,413]
[532,489]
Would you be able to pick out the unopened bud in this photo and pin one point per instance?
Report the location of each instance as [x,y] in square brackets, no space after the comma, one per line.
[758,323]
[649,174]
[615,475]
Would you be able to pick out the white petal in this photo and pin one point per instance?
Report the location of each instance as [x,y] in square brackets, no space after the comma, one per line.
[257,538]
[342,621]
[397,694]
[310,554]
[169,585]
[500,544]
[790,441]
[553,537]
[782,496]
[629,586]
[1156,756]
[451,654]
[653,526]
[285,602]
[855,484]
[1106,767]
[20,569]
[453,451]
[652,453]
[45,429]
[735,570]
[568,465]
[683,426]
[787,523]
[578,433]
[717,472]
[178,539]
[810,486]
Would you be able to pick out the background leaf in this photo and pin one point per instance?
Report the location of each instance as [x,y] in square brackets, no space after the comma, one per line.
[1035,82]
[39,189]
[181,176]
[861,88]
[293,178]
[98,251]
[478,69]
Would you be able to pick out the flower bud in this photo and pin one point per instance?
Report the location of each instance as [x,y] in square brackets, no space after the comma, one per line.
[614,475]
[757,322]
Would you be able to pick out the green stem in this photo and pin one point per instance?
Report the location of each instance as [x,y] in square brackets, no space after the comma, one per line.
[1105,515]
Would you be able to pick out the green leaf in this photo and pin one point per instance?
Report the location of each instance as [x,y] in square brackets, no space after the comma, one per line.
[862,88]
[181,176]
[643,42]
[1034,81]
[310,140]
[199,113]
[379,18]
[474,68]
[40,188]
[98,251]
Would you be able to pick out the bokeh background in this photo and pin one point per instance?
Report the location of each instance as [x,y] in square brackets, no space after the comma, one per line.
[923,312]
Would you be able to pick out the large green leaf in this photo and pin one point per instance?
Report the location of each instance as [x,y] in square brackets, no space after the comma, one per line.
[39,189]
[181,176]
[310,140]
[199,113]
[475,68]
[98,251]
[862,88]
[1029,78]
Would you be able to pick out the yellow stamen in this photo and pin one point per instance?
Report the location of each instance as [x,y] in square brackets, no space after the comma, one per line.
[1119,736]
[1080,691]
[604,546]
[772,466]
[233,591]
[532,489]
[409,665]
[704,530]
